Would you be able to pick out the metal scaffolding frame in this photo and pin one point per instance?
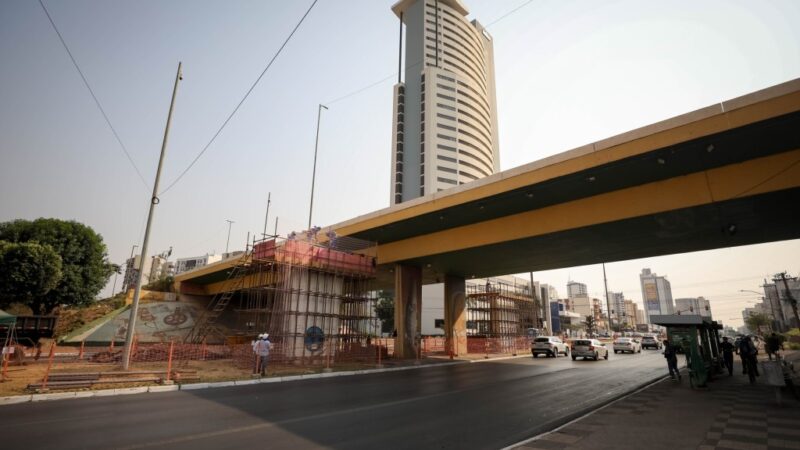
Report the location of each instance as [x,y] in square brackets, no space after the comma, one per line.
[314,299]
[499,309]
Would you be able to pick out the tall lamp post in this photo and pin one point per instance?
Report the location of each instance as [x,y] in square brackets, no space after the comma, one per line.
[230,222]
[314,170]
[126,354]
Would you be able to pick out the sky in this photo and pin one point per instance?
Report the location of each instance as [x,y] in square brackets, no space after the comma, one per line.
[568,73]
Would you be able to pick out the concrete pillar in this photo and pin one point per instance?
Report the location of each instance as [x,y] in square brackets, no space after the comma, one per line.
[455,314]
[407,310]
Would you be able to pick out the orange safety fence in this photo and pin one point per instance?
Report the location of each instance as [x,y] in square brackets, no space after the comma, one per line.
[498,345]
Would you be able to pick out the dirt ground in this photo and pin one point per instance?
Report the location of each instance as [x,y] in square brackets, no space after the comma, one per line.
[18,377]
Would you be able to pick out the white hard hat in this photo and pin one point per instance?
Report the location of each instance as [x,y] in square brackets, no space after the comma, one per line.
[261,336]
[266,335]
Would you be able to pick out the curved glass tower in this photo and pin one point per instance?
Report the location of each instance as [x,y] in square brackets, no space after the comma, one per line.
[445,114]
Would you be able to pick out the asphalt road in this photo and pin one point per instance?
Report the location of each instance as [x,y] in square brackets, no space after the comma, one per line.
[466,406]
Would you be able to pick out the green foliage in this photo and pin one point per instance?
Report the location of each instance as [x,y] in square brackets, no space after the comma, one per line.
[84,265]
[756,321]
[591,325]
[163,284]
[384,309]
[28,272]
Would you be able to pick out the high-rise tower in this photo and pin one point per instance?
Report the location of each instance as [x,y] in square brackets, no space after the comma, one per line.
[445,114]
[656,294]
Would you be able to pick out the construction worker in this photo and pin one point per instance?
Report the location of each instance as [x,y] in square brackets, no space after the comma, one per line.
[261,349]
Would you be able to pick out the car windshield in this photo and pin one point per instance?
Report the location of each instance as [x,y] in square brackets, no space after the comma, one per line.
[544,339]
[649,338]
[583,342]
[623,340]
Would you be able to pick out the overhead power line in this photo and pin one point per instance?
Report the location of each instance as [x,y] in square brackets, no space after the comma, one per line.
[96,101]
[247,94]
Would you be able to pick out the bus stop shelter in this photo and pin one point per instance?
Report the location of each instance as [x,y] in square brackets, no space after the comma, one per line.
[697,337]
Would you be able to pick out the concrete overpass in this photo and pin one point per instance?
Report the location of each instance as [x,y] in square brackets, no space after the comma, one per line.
[721,176]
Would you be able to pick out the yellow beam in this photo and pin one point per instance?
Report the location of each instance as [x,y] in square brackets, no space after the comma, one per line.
[757,176]
[690,126]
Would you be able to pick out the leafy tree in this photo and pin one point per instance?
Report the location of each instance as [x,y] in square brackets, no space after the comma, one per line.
[28,271]
[84,265]
[757,320]
[384,309]
[590,325]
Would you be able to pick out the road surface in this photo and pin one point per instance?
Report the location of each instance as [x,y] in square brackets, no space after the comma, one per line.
[485,405]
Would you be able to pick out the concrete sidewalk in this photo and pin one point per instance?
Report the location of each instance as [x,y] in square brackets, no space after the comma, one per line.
[729,414]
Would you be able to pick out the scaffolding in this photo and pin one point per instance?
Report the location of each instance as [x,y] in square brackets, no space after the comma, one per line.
[315,299]
[500,310]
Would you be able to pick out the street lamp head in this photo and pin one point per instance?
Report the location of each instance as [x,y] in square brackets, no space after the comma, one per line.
[323,106]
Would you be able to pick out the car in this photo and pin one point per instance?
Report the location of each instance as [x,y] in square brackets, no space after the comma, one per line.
[589,348]
[651,342]
[622,345]
[550,346]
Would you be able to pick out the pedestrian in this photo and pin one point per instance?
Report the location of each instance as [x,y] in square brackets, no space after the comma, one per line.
[748,352]
[727,354]
[256,360]
[772,345]
[670,353]
[261,349]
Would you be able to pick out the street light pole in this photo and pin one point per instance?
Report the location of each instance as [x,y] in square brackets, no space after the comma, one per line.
[608,305]
[314,170]
[230,222]
[126,354]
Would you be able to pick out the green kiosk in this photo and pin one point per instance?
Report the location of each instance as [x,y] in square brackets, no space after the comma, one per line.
[698,339]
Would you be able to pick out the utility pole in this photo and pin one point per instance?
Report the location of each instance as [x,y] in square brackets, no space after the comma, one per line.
[608,305]
[230,222]
[790,298]
[314,170]
[126,354]
[266,218]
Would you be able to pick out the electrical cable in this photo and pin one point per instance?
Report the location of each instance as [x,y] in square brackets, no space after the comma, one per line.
[247,94]
[96,101]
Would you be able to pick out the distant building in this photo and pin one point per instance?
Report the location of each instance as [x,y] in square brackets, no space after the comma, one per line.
[575,289]
[630,318]
[697,306]
[155,268]
[617,302]
[656,293]
[776,298]
[641,318]
[191,263]
[582,304]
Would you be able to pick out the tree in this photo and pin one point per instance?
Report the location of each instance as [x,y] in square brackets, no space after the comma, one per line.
[84,264]
[590,325]
[384,309]
[757,320]
[28,272]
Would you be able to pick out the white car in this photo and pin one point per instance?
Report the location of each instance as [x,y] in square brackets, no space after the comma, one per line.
[550,346]
[589,348]
[622,345]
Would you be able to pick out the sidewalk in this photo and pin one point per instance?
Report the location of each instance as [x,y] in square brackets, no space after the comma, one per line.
[729,414]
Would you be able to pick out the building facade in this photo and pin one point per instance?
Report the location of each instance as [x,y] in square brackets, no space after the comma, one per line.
[697,306]
[445,111]
[656,294]
[193,262]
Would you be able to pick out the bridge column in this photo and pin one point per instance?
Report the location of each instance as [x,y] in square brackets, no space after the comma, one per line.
[407,310]
[455,314]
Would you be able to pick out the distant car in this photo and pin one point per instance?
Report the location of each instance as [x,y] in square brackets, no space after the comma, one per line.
[550,346]
[651,342]
[589,348]
[622,345]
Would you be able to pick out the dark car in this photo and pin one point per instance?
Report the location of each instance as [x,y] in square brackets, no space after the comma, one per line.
[651,342]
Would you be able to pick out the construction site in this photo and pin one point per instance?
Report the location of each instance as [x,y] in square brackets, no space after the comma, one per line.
[501,313]
[314,299]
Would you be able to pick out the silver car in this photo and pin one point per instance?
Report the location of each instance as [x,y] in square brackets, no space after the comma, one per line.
[589,348]
[550,346]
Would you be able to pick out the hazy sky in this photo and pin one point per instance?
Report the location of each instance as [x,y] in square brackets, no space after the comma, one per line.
[568,73]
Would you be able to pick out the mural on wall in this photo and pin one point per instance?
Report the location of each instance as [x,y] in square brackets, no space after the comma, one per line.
[155,322]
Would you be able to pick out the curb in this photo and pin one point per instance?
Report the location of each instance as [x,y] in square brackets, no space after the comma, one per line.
[26,398]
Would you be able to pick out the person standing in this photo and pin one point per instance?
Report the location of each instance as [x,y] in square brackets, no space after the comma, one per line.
[773,344]
[727,354]
[261,349]
[748,352]
[671,355]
